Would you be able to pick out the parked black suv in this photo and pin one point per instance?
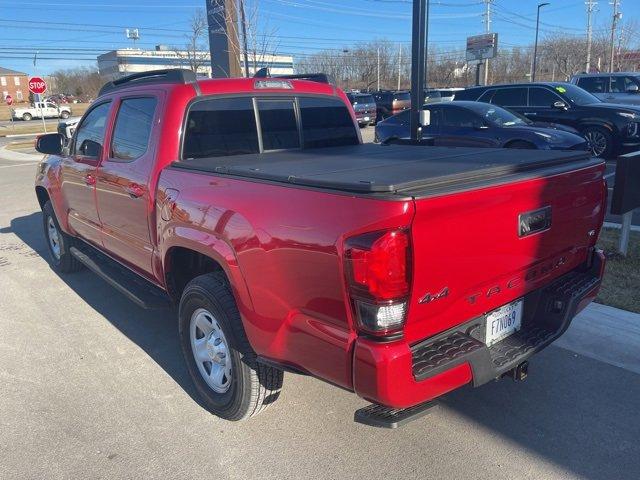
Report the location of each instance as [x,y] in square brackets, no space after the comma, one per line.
[610,129]
[390,102]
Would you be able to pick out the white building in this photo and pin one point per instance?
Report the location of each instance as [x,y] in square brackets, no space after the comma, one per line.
[118,63]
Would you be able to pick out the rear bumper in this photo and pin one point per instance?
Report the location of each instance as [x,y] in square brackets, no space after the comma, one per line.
[361,116]
[400,375]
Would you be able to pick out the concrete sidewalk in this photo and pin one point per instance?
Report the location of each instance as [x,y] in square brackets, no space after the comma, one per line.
[606,334]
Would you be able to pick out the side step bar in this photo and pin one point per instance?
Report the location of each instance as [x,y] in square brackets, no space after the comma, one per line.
[132,286]
[385,417]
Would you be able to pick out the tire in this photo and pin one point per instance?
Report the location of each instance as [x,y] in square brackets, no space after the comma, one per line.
[58,243]
[520,144]
[600,141]
[26,117]
[206,302]
[64,115]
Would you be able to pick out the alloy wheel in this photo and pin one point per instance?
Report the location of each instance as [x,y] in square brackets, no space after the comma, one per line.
[210,350]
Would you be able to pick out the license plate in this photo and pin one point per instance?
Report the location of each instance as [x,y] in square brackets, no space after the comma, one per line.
[503,322]
[366,119]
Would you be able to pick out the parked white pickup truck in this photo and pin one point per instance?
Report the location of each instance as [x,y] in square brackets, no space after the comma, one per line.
[40,109]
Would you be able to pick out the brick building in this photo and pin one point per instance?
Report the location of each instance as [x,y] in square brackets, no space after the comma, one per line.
[15,84]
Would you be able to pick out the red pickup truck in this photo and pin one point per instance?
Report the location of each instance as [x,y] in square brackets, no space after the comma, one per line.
[397,272]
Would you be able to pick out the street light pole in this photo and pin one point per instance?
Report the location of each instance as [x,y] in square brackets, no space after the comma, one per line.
[535,46]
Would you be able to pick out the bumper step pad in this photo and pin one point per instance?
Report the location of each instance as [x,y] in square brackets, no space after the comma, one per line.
[385,417]
[550,311]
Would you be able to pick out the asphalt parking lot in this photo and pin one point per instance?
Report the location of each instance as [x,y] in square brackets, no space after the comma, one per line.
[94,387]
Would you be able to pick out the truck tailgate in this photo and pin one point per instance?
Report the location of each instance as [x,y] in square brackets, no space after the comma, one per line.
[472,252]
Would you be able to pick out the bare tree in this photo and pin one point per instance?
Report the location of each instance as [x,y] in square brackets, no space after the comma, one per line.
[196,52]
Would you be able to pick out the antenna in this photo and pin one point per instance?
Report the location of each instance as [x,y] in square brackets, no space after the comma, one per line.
[132,34]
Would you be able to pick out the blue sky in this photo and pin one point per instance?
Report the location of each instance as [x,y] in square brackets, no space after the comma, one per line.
[72,32]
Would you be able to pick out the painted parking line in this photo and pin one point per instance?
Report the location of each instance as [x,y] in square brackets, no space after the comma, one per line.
[24,164]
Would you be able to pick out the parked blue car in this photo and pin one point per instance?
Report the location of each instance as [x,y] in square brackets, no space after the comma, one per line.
[477,124]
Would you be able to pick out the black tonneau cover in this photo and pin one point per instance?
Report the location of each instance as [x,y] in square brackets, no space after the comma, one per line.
[371,168]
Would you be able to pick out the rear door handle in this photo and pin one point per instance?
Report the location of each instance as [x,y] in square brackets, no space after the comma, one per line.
[134,190]
[530,113]
[90,180]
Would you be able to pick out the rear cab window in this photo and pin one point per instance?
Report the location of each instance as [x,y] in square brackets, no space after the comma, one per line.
[243,125]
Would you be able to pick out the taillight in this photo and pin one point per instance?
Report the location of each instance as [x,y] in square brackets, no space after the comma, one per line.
[377,267]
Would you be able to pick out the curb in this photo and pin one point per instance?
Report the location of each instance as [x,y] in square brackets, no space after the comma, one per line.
[18,156]
[17,135]
[618,226]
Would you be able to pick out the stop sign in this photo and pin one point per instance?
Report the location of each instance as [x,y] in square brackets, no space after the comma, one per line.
[8,99]
[37,85]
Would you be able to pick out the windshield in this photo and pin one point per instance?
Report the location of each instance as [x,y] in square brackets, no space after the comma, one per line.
[575,95]
[499,116]
[402,96]
[356,99]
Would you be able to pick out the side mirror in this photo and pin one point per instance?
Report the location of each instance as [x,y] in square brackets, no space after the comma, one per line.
[50,144]
[425,118]
[633,89]
[92,149]
[560,105]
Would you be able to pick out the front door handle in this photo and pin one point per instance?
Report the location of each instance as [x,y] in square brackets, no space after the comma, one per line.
[530,113]
[90,180]
[134,190]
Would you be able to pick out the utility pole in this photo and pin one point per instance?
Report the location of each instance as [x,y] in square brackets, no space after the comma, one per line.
[591,4]
[487,29]
[399,65]
[614,23]
[243,19]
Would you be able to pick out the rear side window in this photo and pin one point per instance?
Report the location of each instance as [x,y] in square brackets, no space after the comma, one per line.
[220,127]
[459,118]
[510,97]
[278,124]
[133,128]
[594,84]
[326,122]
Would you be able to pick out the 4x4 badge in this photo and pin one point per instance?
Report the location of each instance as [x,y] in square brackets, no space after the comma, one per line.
[428,297]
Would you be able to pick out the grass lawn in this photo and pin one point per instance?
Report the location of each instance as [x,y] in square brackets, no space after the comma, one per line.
[621,284]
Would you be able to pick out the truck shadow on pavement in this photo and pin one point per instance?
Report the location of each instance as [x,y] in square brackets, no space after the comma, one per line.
[155,331]
[577,414]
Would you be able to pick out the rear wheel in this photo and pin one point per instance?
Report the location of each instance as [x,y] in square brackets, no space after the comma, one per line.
[58,242]
[521,144]
[222,364]
[600,141]
[26,117]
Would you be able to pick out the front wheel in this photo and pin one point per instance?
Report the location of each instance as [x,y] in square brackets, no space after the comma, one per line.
[26,117]
[220,360]
[64,115]
[600,141]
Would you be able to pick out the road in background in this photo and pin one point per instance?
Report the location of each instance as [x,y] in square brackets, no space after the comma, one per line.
[93,386]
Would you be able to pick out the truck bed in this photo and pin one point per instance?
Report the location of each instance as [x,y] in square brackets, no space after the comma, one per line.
[393,169]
